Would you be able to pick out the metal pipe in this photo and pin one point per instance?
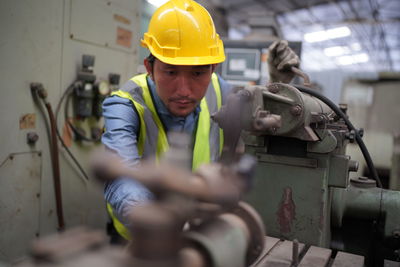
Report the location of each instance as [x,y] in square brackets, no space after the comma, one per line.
[38,89]
[56,168]
[279,98]
[367,203]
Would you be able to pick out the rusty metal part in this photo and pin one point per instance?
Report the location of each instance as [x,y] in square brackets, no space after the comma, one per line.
[183,196]
[229,118]
[264,121]
[224,188]
[107,166]
[302,74]
[236,228]
[157,235]
[256,229]
[192,257]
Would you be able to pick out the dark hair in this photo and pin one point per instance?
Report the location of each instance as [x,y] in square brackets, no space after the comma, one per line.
[151,58]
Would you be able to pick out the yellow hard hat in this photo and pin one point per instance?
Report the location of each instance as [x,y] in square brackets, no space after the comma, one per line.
[182,32]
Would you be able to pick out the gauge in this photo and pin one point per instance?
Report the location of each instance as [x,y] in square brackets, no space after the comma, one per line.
[104,88]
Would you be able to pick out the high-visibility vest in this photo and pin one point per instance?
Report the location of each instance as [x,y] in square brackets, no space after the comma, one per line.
[152,138]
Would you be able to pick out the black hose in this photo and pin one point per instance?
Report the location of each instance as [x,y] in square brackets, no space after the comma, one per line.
[340,113]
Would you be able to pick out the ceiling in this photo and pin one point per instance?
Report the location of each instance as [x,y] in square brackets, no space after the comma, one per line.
[371,41]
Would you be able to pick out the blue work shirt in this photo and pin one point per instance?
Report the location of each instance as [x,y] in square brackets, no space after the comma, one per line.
[122,127]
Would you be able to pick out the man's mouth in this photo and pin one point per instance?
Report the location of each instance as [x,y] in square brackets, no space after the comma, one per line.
[183,102]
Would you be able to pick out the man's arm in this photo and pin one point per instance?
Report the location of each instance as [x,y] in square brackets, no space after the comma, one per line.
[280,59]
[120,136]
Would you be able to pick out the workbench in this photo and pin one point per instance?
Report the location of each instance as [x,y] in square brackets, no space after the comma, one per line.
[282,253]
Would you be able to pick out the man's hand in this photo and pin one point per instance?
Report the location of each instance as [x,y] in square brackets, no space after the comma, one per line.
[280,59]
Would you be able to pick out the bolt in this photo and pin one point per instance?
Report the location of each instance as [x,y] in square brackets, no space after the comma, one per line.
[11,157]
[273,88]
[32,138]
[296,110]
[351,136]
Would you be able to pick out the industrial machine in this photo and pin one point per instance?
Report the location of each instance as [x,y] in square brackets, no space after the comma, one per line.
[196,220]
[302,188]
[207,200]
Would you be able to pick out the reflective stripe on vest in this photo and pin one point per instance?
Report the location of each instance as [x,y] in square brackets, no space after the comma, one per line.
[121,229]
[152,139]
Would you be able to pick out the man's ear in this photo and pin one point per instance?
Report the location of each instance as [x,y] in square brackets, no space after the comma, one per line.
[149,67]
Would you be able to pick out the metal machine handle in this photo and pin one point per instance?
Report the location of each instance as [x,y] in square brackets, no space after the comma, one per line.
[303,75]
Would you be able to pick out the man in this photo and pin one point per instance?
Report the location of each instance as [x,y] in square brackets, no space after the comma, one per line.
[178,93]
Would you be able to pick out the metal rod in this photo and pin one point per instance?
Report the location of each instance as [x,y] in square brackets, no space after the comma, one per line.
[295,253]
[279,98]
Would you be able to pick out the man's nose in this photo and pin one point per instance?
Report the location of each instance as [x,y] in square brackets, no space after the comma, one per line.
[183,86]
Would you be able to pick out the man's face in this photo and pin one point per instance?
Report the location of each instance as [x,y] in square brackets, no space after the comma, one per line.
[180,87]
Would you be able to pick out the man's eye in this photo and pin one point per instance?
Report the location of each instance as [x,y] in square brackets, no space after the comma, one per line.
[170,72]
[198,73]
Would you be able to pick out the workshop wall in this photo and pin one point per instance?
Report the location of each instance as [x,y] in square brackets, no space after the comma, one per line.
[43,41]
[373,106]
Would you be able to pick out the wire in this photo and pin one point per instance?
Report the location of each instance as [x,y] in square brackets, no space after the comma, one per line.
[358,138]
[68,91]
[74,129]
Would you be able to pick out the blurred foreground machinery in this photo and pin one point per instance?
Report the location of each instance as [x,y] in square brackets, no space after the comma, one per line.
[222,230]
[302,188]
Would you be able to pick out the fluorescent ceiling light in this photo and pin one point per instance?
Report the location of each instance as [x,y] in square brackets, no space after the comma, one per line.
[335,51]
[355,47]
[361,58]
[338,32]
[353,59]
[315,36]
[157,3]
[328,34]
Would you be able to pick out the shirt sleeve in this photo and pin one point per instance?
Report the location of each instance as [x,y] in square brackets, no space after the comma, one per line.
[120,136]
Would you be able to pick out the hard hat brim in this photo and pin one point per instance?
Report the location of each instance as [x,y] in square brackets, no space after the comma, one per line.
[203,60]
